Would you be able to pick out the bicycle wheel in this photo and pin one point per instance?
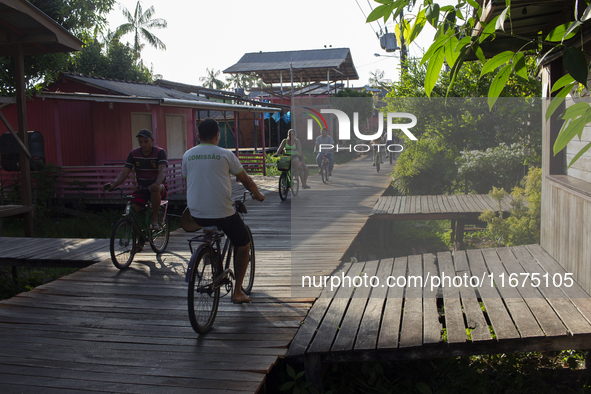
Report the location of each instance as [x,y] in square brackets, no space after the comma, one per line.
[160,237]
[203,298]
[377,160]
[283,186]
[249,275]
[295,184]
[122,244]
[324,171]
[391,154]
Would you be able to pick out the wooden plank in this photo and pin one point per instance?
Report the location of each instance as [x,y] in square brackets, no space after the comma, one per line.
[568,313]
[431,325]
[347,333]
[520,313]
[475,320]
[542,311]
[369,328]
[454,319]
[495,309]
[396,205]
[390,325]
[333,317]
[424,205]
[575,292]
[411,333]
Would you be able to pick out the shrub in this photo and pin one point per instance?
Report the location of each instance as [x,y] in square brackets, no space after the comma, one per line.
[523,226]
[426,166]
[500,167]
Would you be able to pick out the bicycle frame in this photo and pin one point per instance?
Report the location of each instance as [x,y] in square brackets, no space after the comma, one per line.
[142,219]
[212,241]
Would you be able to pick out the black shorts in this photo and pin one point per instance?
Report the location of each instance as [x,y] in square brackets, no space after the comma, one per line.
[141,196]
[233,226]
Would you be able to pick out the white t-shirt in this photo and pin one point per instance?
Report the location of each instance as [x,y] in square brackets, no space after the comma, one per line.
[327,140]
[208,169]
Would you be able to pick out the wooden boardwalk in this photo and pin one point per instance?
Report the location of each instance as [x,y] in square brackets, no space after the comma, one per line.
[412,311]
[105,330]
[461,209]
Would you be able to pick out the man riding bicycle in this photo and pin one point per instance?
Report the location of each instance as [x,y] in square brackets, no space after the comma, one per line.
[150,164]
[207,169]
[324,139]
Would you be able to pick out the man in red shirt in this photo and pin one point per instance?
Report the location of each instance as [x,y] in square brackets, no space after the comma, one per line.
[150,163]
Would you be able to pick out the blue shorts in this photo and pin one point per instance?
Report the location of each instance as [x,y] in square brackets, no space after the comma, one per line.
[233,226]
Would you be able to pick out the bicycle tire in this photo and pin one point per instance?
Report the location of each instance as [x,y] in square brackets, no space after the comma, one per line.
[295,185]
[122,243]
[249,275]
[391,157]
[324,170]
[283,186]
[203,299]
[160,237]
[378,165]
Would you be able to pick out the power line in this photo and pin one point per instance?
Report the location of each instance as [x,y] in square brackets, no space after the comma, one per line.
[366,17]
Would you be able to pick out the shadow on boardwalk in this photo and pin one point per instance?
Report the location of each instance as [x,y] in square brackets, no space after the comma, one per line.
[105,330]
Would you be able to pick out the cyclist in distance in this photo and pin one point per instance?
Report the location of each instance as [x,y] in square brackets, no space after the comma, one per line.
[150,164]
[207,169]
[324,138]
[293,147]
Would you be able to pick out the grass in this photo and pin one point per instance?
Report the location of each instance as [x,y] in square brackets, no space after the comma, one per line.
[546,372]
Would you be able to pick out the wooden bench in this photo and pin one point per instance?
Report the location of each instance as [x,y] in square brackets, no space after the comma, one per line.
[414,321]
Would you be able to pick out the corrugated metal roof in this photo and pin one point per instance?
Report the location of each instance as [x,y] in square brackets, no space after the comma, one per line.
[133,89]
[21,22]
[308,65]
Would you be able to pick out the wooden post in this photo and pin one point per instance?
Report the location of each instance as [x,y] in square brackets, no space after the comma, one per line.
[25,163]
[460,235]
[314,370]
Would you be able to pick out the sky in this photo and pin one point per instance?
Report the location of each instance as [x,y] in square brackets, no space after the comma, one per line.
[216,34]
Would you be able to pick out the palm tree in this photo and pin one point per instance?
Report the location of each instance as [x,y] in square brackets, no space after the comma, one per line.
[211,81]
[139,24]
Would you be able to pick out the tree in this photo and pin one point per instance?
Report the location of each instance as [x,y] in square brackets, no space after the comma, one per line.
[211,81]
[461,31]
[139,24]
[116,61]
[81,18]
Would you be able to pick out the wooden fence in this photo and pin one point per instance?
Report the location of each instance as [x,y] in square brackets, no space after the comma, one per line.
[87,181]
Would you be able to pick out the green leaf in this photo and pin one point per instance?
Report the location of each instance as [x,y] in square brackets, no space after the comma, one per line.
[500,24]
[576,64]
[575,110]
[449,50]
[379,12]
[383,1]
[432,15]
[291,372]
[479,53]
[423,388]
[438,43]
[417,27]
[286,386]
[557,34]
[498,84]
[447,8]
[558,99]
[519,65]
[488,30]
[496,62]
[474,4]
[433,70]
[389,12]
[463,42]
[299,375]
[570,129]
[562,81]
[586,14]
[573,26]
[456,68]
[581,152]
